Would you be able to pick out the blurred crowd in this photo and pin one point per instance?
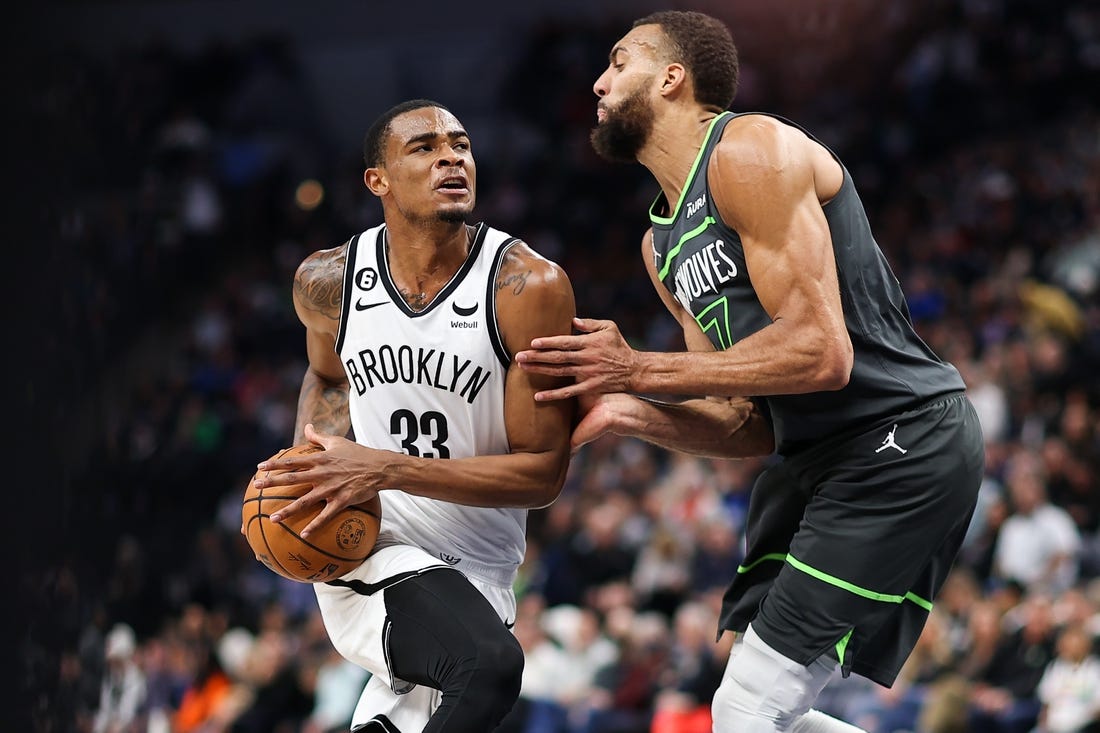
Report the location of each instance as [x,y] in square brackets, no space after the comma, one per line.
[979,161]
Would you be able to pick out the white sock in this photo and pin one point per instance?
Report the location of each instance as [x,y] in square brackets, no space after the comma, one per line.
[816,721]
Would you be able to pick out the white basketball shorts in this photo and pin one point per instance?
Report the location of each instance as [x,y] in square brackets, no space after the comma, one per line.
[354,614]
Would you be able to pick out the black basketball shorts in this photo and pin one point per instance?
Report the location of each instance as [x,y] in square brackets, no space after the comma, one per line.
[849,541]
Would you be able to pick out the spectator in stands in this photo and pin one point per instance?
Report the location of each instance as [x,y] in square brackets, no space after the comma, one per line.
[1038,543]
[122,695]
[1004,698]
[1070,687]
[694,671]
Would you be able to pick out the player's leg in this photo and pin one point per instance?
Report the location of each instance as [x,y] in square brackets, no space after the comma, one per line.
[381,710]
[777,505]
[444,634]
[776,510]
[764,692]
[816,721]
[401,635]
[873,524]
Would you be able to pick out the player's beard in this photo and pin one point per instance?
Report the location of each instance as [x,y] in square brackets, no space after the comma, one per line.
[625,128]
[451,216]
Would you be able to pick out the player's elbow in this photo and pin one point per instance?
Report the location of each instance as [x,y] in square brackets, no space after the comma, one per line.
[821,353]
[544,497]
[326,381]
[834,365]
[548,487]
[834,373]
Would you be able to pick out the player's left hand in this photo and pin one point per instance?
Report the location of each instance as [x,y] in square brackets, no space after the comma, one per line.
[599,360]
[343,474]
[596,416]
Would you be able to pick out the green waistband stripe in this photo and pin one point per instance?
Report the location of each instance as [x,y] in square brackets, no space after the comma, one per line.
[707,221]
[837,582]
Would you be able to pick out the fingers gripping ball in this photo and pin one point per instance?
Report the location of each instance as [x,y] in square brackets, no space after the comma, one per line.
[338,547]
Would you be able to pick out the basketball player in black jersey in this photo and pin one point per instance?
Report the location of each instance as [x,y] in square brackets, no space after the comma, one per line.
[799,342]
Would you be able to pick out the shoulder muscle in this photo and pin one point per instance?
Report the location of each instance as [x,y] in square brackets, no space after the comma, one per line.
[318,286]
[759,169]
[533,297]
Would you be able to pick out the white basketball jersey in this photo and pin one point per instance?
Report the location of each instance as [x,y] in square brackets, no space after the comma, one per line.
[430,383]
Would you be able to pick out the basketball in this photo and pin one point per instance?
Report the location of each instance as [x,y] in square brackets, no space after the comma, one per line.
[331,551]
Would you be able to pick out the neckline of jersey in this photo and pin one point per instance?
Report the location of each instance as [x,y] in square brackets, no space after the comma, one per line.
[663,221]
[383,259]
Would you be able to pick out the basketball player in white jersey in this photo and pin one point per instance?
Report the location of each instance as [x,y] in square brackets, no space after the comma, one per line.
[410,328]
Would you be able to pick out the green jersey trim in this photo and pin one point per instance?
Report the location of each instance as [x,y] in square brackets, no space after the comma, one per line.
[707,221]
[653,217]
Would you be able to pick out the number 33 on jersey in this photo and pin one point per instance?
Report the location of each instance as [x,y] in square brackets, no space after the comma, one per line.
[428,383]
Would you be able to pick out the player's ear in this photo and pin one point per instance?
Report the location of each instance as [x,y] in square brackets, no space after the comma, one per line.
[674,79]
[376,181]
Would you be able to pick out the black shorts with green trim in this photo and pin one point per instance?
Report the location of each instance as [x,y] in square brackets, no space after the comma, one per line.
[849,541]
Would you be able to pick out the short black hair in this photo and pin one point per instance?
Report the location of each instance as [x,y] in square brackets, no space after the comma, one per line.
[704,46]
[374,142]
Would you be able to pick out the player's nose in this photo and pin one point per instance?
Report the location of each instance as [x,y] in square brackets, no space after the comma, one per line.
[601,85]
[449,156]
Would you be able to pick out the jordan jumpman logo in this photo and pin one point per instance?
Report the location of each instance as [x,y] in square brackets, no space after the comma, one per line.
[889,442]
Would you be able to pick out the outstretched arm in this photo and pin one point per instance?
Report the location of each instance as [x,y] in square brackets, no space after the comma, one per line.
[718,427]
[762,179]
[715,427]
[533,297]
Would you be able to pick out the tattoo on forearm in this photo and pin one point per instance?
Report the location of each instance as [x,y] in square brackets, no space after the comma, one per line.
[318,285]
[517,282]
[323,405]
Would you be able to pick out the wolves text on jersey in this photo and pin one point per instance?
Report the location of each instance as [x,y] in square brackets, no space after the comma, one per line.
[703,272]
[431,367]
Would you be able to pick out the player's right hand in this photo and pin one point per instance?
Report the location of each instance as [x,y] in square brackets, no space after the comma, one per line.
[342,474]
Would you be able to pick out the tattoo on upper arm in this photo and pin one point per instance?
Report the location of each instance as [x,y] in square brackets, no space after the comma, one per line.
[318,285]
[517,282]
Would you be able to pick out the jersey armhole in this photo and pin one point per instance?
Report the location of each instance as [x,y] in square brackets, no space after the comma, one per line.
[345,296]
[491,298]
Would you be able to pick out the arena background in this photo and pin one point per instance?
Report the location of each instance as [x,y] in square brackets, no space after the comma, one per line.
[157,214]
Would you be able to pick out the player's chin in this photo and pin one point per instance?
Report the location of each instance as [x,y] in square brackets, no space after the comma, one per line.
[456,212]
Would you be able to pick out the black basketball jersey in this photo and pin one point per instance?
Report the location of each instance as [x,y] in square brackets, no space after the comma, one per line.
[700,259]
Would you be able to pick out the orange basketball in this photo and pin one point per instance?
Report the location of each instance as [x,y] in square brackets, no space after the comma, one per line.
[331,551]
